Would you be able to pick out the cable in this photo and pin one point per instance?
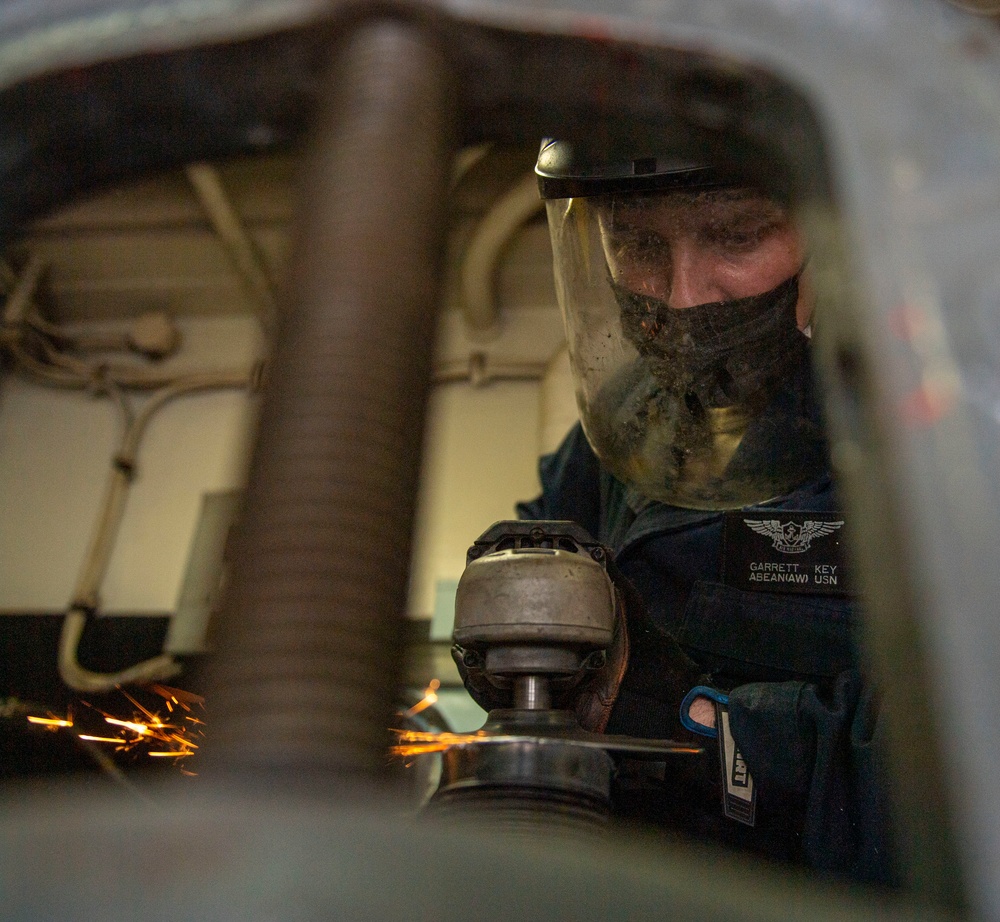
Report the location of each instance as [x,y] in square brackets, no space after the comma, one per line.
[237,242]
[156,669]
[35,345]
[86,598]
[91,342]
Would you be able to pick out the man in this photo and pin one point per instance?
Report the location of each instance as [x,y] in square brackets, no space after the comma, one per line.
[701,460]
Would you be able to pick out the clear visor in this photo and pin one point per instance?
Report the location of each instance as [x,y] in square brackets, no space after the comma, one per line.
[686,317]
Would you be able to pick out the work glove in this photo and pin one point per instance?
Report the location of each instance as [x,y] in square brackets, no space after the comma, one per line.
[596,695]
[482,690]
[643,658]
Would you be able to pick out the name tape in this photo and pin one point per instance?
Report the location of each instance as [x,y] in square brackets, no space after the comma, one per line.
[775,550]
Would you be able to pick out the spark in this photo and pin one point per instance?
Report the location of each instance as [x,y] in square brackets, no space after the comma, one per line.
[144,728]
[141,729]
[416,742]
[149,714]
[51,722]
[430,697]
[178,696]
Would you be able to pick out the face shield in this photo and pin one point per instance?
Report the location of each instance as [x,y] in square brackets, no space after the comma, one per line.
[687,318]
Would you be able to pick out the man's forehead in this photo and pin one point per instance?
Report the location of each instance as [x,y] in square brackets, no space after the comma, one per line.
[733,202]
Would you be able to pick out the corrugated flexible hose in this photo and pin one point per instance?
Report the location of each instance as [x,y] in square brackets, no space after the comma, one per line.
[308,652]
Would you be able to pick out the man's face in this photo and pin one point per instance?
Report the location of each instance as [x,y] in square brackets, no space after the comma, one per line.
[691,248]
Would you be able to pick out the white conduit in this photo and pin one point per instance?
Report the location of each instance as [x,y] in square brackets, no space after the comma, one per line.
[465,160]
[21,298]
[43,362]
[86,595]
[41,359]
[478,371]
[242,250]
[502,221]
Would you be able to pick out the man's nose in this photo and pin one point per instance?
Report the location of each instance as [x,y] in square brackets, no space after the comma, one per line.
[692,275]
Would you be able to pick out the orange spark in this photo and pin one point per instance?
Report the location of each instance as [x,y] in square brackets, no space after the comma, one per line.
[51,722]
[177,696]
[430,697]
[414,742]
[141,729]
[149,714]
[144,729]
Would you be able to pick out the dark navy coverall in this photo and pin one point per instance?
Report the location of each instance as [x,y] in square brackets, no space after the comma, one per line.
[800,713]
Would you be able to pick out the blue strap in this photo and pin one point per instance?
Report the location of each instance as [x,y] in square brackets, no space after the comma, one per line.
[701,691]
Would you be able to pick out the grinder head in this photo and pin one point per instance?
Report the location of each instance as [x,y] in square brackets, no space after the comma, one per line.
[535,600]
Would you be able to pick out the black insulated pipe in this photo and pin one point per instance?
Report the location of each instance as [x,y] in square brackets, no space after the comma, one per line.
[307,648]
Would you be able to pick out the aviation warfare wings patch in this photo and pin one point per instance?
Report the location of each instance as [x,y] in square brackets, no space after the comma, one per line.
[776,550]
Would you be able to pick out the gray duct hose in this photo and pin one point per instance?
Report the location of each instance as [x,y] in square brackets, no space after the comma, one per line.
[307,648]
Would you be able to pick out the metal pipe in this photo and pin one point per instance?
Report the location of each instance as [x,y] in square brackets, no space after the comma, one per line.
[20,300]
[479,370]
[238,243]
[86,595]
[308,639]
[494,232]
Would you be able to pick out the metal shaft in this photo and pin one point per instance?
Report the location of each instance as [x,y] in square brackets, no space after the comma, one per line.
[531,693]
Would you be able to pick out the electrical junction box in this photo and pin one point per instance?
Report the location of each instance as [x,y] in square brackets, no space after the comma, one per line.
[205,574]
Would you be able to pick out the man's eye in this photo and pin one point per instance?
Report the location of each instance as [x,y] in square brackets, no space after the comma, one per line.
[640,247]
[738,238]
